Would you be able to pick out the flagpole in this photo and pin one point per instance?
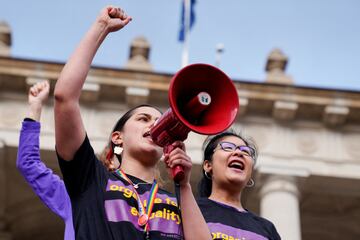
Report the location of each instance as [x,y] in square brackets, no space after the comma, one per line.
[185,53]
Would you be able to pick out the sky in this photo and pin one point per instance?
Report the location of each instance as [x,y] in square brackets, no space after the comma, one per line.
[321,38]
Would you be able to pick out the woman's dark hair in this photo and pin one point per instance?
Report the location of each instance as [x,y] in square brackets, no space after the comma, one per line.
[205,184]
[119,126]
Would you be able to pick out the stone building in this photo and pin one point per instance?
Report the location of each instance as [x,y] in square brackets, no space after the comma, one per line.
[308,172]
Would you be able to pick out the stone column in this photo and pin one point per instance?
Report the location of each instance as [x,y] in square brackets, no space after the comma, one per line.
[279,203]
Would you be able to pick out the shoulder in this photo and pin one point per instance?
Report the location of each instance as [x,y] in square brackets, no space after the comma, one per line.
[203,200]
[85,150]
[204,203]
[208,207]
[165,192]
[211,205]
[259,219]
[265,223]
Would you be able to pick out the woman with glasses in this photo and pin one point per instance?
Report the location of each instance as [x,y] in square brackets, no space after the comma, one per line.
[229,160]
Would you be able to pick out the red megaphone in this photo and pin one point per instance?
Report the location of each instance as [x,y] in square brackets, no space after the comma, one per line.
[202,99]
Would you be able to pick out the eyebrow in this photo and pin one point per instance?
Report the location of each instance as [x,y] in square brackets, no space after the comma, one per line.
[146,115]
[242,145]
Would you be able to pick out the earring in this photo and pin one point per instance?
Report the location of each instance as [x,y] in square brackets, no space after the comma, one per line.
[207,175]
[251,183]
[118,150]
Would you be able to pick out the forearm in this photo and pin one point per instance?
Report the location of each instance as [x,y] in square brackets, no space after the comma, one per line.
[35,111]
[28,153]
[73,75]
[69,128]
[43,181]
[194,224]
[28,159]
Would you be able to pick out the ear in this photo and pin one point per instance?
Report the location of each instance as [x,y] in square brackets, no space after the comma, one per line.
[116,138]
[207,166]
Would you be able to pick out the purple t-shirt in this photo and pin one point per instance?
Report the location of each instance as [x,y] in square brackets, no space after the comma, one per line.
[47,185]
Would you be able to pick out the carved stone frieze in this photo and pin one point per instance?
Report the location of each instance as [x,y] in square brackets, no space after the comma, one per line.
[259,134]
[306,141]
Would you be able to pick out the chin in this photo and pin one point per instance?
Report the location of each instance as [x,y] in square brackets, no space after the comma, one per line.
[156,152]
[237,179]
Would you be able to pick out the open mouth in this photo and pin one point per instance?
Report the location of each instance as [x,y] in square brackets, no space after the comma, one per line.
[147,134]
[237,165]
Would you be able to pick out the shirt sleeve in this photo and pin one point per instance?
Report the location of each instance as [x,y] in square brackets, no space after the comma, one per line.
[47,185]
[82,171]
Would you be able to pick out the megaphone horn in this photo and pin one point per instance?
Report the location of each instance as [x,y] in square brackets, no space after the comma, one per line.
[202,99]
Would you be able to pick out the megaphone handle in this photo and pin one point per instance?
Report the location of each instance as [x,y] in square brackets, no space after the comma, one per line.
[177,172]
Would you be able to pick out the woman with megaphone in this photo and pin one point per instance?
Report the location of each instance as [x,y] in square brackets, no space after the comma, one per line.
[229,160]
[126,203]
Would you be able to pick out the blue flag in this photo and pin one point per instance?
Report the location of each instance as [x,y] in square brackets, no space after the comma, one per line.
[182,21]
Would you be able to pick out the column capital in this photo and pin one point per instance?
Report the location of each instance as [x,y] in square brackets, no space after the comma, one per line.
[280,183]
[280,204]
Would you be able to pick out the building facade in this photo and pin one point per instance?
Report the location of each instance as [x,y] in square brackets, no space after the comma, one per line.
[308,172]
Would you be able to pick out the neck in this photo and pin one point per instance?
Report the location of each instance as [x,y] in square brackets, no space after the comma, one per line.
[227,197]
[136,169]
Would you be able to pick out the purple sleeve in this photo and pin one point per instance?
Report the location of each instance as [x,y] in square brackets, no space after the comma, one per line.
[47,185]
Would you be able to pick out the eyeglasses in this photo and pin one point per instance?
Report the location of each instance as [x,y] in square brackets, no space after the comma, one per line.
[231,147]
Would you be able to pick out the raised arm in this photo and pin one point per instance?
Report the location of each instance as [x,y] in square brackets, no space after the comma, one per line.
[47,185]
[194,224]
[69,128]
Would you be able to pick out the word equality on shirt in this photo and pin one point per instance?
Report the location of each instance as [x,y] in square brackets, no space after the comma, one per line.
[165,214]
[128,193]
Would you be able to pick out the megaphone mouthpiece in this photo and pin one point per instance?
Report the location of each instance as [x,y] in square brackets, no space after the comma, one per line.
[196,106]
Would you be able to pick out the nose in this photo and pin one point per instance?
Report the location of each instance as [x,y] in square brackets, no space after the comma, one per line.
[238,152]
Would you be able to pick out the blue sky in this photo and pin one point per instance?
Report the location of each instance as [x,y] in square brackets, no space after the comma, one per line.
[321,37]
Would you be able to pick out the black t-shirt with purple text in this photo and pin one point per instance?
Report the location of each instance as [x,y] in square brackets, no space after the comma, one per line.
[226,222]
[105,206]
